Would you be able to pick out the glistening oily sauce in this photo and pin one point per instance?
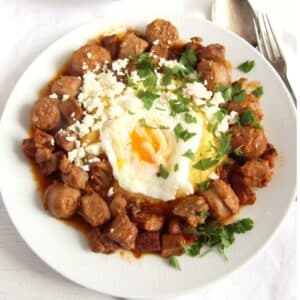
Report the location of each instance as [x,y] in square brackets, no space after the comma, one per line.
[77,222]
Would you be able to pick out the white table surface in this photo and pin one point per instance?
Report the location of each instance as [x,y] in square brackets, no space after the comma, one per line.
[26,28]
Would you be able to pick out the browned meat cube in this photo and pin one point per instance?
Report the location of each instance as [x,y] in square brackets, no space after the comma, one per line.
[42,155]
[222,200]
[89,58]
[94,209]
[101,176]
[242,190]
[215,52]
[131,45]
[29,148]
[45,114]
[172,244]
[174,226]
[75,177]
[112,44]
[123,231]
[252,142]
[149,222]
[99,242]
[270,154]
[215,72]
[189,208]
[52,165]
[42,139]
[250,102]
[117,205]
[66,85]
[71,110]
[160,51]
[195,44]
[65,139]
[162,31]
[257,172]
[61,200]
[148,242]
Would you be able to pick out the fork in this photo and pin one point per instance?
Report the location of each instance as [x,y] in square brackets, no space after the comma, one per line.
[269,47]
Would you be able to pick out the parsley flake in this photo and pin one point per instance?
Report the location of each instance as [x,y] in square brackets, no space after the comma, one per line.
[247,66]
[147,97]
[176,167]
[163,172]
[173,261]
[151,81]
[206,163]
[248,118]
[182,133]
[188,118]
[189,59]
[189,154]
[258,92]
[203,186]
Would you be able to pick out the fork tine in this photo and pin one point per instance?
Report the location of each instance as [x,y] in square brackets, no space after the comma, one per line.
[264,37]
[277,47]
[270,37]
[259,43]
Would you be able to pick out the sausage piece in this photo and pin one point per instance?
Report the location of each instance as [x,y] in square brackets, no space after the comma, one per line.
[148,221]
[112,44]
[162,31]
[66,85]
[71,110]
[45,114]
[94,209]
[172,244]
[132,45]
[61,200]
[28,148]
[215,52]
[117,205]
[42,139]
[215,72]
[76,177]
[42,154]
[147,242]
[252,142]
[270,154]
[257,172]
[99,242]
[89,58]
[65,139]
[51,165]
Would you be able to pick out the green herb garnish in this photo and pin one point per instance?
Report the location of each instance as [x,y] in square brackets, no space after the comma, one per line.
[189,59]
[258,92]
[173,261]
[182,133]
[225,90]
[225,146]
[145,65]
[176,167]
[248,118]
[151,81]
[189,118]
[163,172]
[206,163]
[247,66]
[204,186]
[179,105]
[147,97]
[189,154]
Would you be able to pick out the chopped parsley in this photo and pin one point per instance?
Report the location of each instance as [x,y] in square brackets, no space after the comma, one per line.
[176,167]
[163,172]
[147,97]
[188,118]
[248,118]
[179,105]
[173,261]
[237,93]
[247,66]
[189,59]
[189,154]
[182,133]
[204,186]
[225,90]
[143,123]
[225,146]
[151,81]
[258,92]
[206,163]
[145,65]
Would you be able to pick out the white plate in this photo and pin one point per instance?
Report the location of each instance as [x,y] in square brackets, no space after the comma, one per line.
[65,249]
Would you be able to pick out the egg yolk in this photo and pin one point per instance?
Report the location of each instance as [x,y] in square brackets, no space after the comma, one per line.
[145,143]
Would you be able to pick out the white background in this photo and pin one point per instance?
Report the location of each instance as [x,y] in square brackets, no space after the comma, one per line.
[28,27]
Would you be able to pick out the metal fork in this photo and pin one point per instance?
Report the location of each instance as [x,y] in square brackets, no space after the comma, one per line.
[269,47]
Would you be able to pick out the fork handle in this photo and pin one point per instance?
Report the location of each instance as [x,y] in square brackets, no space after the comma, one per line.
[288,85]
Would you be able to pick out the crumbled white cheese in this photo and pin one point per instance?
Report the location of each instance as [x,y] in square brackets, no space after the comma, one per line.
[53,96]
[84,66]
[169,63]
[94,148]
[223,126]
[65,97]
[213,176]
[135,77]
[93,160]
[155,43]
[52,142]
[198,92]
[110,192]
[85,167]
[217,99]
[89,55]
[88,120]
[70,138]
[119,65]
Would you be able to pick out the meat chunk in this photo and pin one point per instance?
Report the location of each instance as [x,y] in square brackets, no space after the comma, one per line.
[250,102]
[112,44]
[61,200]
[42,139]
[160,51]
[215,52]
[51,165]
[190,208]
[148,242]
[252,142]
[270,154]
[123,231]
[71,110]
[172,244]
[89,58]
[148,221]
[162,31]
[42,154]
[101,177]
[75,177]
[28,148]
[65,139]
[195,44]
[242,190]
[117,205]
[131,45]
[94,209]
[257,172]
[215,72]
[65,165]
[99,242]
[45,114]
[222,200]
[66,85]
[174,226]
